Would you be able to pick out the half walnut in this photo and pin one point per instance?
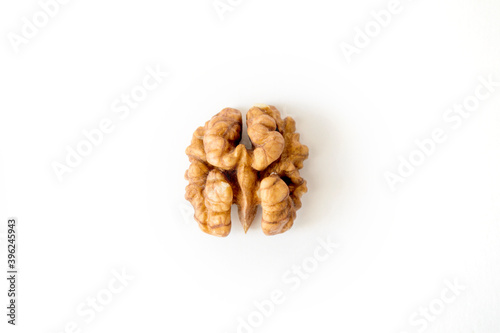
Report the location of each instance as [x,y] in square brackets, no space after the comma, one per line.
[224,172]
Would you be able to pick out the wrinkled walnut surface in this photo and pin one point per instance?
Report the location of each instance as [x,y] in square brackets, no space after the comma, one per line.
[224,172]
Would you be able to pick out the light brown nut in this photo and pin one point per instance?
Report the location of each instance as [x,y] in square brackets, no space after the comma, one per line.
[223,171]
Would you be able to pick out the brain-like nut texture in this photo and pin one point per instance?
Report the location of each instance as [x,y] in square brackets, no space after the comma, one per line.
[224,172]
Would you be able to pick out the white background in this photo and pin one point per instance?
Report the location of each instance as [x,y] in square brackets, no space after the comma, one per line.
[123,207]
